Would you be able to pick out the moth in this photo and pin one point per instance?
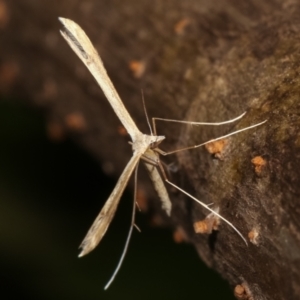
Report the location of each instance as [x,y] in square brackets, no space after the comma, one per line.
[144,147]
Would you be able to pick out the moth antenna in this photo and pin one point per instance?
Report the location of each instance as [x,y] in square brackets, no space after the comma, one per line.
[145,111]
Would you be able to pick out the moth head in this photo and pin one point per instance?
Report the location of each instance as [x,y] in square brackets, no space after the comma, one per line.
[156,140]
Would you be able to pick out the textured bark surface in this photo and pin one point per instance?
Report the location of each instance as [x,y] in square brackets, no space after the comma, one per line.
[204,61]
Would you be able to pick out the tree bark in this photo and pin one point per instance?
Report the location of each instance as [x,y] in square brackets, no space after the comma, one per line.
[195,60]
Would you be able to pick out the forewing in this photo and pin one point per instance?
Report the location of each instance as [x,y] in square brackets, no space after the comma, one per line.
[100,225]
[83,47]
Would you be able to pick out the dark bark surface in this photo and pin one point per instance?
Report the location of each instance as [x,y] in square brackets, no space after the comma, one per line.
[204,61]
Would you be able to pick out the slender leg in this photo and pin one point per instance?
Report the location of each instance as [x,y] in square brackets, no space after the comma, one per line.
[210,141]
[195,123]
[132,225]
[200,202]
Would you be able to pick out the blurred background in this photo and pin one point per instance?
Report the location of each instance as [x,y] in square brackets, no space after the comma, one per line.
[50,194]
